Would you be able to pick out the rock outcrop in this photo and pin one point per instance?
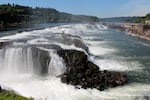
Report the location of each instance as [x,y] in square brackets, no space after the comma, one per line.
[68,39]
[83,73]
[41,60]
[4,44]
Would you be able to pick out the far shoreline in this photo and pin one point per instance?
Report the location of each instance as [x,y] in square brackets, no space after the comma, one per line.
[138,30]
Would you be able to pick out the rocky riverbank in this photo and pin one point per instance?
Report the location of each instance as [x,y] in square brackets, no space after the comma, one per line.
[138,30]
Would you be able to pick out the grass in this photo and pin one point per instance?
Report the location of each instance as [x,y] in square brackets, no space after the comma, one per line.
[10,95]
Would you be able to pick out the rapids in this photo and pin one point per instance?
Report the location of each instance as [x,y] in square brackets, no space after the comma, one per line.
[21,61]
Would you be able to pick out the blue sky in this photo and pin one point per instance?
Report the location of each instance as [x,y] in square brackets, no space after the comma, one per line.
[100,8]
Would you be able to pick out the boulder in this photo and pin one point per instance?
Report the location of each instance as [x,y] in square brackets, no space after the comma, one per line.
[82,72]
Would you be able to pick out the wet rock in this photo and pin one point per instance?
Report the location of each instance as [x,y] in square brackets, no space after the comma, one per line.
[41,59]
[4,43]
[84,73]
[0,89]
[69,39]
[80,44]
[64,79]
[50,46]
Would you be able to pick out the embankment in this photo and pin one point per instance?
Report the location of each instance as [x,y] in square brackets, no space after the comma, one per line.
[139,30]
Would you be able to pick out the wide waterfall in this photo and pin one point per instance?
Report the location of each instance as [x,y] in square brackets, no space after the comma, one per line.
[21,60]
[30,66]
[16,60]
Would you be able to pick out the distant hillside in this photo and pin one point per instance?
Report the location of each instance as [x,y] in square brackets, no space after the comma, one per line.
[17,15]
[141,19]
[127,19]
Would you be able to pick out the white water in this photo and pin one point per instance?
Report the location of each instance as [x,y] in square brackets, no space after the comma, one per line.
[17,71]
[16,60]
[56,66]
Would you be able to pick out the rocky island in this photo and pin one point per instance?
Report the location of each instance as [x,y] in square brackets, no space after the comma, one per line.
[85,74]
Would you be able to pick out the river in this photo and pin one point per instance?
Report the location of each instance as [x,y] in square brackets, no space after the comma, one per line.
[108,48]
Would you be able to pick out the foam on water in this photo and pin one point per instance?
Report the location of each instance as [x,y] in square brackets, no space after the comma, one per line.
[117,65]
[51,88]
[95,50]
[14,61]
[73,29]
[56,66]
[39,41]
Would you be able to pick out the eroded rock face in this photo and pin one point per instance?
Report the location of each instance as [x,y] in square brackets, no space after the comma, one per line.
[4,44]
[83,73]
[41,60]
[68,39]
[0,89]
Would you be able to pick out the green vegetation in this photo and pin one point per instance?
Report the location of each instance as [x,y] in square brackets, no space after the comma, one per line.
[12,16]
[140,19]
[134,19]
[10,95]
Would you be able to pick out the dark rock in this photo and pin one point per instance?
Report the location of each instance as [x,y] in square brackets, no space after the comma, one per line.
[70,40]
[80,44]
[4,43]
[64,79]
[92,67]
[41,60]
[84,73]
[0,89]
[48,46]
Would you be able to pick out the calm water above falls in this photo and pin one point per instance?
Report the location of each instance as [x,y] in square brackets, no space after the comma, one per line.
[110,49]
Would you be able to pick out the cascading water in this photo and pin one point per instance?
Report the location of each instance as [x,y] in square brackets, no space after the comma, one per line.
[20,60]
[16,60]
[30,65]
[56,66]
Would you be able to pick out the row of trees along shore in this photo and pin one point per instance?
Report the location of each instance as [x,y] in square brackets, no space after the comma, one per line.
[13,15]
[142,20]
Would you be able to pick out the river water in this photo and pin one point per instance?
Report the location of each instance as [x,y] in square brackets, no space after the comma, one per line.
[108,48]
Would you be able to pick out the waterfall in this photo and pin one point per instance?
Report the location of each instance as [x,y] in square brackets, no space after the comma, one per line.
[56,66]
[28,60]
[32,72]
[16,60]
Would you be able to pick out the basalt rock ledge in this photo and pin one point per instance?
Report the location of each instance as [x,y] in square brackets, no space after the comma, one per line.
[82,73]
